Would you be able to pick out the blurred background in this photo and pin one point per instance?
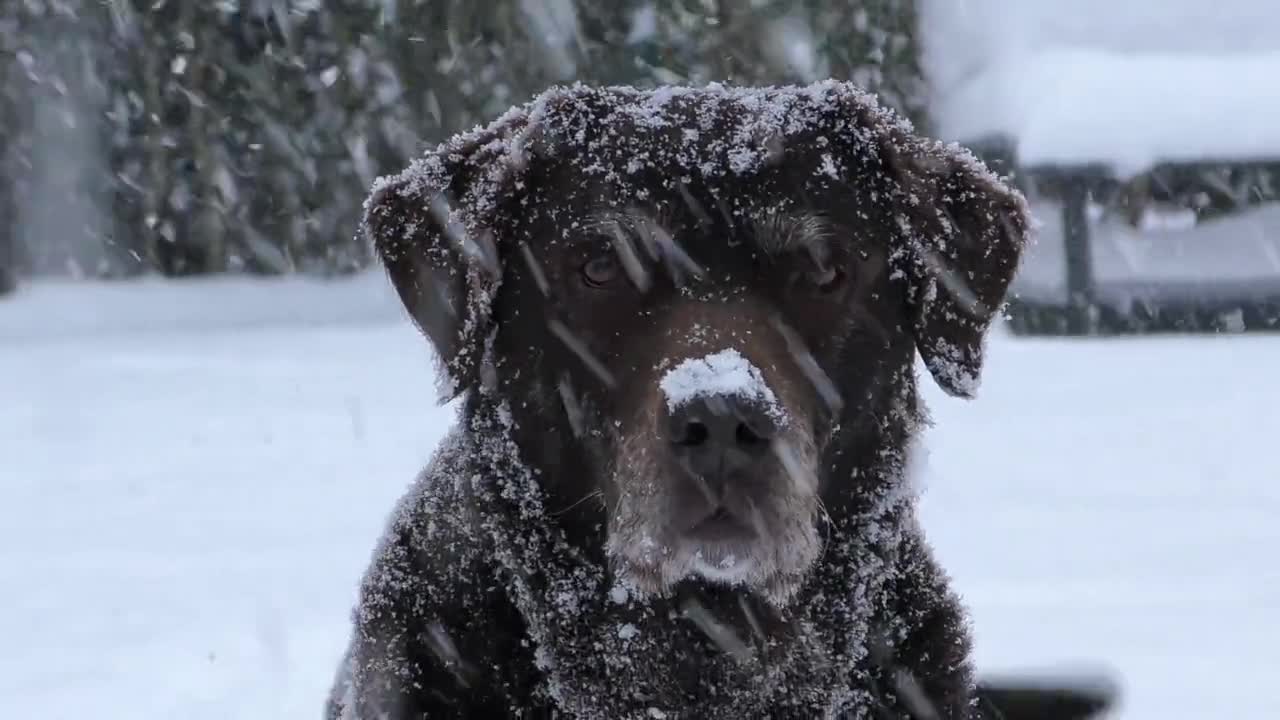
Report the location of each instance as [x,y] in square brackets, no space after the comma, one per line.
[210,398]
[179,139]
[185,138]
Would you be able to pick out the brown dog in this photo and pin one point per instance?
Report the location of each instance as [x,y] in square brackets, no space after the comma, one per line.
[684,322]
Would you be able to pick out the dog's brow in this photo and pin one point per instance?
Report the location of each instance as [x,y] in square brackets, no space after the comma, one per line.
[777,232]
[608,220]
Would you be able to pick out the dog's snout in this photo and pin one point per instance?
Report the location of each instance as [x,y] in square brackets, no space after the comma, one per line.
[715,424]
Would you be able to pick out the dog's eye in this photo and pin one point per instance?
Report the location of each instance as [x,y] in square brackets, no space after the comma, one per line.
[600,270]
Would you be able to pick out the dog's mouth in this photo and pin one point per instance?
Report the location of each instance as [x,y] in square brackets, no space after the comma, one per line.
[682,515]
[721,525]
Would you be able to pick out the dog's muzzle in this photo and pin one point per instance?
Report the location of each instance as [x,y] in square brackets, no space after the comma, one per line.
[719,441]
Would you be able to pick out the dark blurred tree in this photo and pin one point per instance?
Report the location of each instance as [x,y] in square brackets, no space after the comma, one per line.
[12,152]
[462,62]
[53,182]
[241,135]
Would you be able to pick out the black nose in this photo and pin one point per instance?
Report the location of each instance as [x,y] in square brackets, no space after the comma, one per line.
[718,435]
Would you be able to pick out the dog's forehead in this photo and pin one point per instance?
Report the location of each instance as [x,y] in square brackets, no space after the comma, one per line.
[581,147]
[714,130]
[619,147]
[731,231]
[710,162]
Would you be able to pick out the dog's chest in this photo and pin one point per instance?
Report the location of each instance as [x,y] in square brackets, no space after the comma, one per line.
[593,656]
[715,662]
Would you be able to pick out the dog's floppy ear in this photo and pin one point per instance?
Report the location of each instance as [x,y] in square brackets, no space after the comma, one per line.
[961,235]
[433,227]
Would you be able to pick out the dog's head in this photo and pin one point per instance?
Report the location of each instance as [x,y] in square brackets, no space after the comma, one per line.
[702,288]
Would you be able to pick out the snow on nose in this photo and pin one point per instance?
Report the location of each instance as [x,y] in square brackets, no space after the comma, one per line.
[722,374]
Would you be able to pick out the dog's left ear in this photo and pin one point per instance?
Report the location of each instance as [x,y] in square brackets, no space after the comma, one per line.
[961,233]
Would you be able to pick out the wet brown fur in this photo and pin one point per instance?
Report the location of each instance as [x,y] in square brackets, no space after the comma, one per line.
[440,633]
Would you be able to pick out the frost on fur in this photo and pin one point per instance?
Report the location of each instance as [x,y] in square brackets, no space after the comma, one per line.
[725,373]
[485,521]
[448,210]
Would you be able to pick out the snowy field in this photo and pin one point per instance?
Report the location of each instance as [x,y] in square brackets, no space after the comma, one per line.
[192,478]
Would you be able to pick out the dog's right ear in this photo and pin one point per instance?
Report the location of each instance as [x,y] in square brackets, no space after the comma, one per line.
[428,272]
[434,227]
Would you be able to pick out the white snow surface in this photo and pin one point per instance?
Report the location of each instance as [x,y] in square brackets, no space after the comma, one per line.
[725,372]
[192,477]
[1128,82]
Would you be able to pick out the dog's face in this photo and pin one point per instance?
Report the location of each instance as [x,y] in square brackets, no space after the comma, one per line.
[710,344]
[704,334]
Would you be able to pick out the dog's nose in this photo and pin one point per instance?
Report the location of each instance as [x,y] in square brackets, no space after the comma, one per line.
[718,434]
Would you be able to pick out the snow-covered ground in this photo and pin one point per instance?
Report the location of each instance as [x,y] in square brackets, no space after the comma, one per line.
[192,477]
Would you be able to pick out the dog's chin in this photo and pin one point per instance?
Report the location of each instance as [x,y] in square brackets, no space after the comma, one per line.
[723,563]
[748,566]
[764,546]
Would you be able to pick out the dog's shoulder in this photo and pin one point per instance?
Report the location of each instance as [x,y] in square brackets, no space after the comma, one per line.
[432,546]
[435,632]
[933,652]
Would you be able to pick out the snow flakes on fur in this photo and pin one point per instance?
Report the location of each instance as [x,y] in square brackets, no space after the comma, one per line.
[480,509]
[725,372]
[606,655]
[598,653]
[474,184]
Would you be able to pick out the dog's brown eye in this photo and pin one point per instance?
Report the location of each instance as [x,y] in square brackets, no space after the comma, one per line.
[600,270]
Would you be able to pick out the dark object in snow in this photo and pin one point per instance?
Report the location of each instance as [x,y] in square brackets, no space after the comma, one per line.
[1046,699]
[684,322]
[8,281]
